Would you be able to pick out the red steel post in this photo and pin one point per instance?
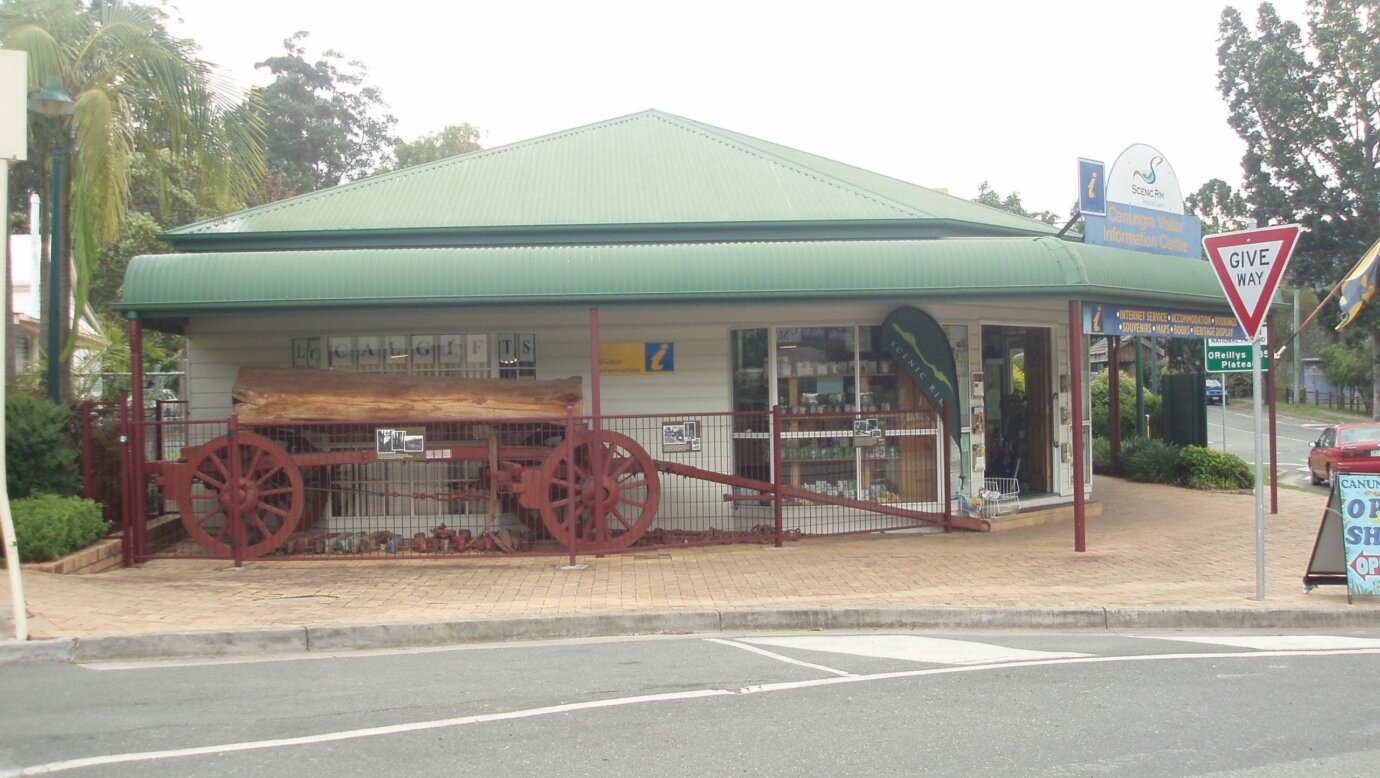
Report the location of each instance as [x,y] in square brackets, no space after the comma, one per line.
[570,511]
[1080,541]
[1270,395]
[776,474]
[126,486]
[948,476]
[232,489]
[594,409]
[139,512]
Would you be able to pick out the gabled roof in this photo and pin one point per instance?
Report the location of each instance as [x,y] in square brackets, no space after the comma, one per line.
[647,177]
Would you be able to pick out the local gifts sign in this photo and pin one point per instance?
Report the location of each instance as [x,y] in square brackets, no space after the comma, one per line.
[1360,502]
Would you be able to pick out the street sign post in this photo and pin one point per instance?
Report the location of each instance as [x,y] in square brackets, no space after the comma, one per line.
[1249,265]
[1231,356]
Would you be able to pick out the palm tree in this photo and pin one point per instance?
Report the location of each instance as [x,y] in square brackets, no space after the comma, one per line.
[137,90]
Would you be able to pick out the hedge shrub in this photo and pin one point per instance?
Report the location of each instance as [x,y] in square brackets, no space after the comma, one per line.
[40,451]
[47,526]
[1150,461]
[1206,468]
[1102,455]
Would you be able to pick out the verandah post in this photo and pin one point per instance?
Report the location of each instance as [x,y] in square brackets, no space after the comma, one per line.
[1080,542]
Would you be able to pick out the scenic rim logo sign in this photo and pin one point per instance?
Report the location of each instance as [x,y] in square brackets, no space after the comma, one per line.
[918,344]
[1143,209]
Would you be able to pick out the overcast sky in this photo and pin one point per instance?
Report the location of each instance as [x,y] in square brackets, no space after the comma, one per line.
[938,93]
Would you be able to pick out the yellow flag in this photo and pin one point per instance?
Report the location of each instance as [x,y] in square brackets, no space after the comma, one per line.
[1358,286]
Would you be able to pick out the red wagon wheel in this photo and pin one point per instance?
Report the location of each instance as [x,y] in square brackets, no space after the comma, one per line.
[269,493]
[611,507]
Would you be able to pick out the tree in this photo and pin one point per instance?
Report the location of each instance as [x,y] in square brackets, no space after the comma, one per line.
[1309,111]
[1221,208]
[137,90]
[324,124]
[1346,367]
[1011,204]
[452,141]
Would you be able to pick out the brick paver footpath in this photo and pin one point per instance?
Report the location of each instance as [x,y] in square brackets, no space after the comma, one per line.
[1152,546]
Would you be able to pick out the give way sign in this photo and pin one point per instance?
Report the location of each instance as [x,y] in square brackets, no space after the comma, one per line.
[1249,264]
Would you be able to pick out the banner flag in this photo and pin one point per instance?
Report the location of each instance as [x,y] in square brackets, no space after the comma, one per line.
[1359,286]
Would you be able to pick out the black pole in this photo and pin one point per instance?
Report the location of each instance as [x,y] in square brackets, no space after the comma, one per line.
[55,263]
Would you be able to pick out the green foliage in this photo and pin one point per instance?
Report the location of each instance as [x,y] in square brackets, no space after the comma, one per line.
[1102,455]
[1309,112]
[1347,367]
[1150,461]
[1206,468]
[40,454]
[1011,204]
[138,235]
[453,141]
[1221,208]
[1101,408]
[47,527]
[137,90]
[324,124]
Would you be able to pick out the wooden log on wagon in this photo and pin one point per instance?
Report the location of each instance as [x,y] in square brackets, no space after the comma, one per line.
[281,394]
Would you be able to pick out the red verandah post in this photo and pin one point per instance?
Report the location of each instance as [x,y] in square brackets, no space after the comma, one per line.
[127,555]
[138,511]
[1080,541]
[948,476]
[570,479]
[232,488]
[776,474]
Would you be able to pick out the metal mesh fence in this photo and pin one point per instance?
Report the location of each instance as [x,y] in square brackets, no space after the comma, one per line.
[430,488]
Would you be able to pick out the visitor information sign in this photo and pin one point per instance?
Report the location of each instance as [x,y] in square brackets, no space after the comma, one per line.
[1360,500]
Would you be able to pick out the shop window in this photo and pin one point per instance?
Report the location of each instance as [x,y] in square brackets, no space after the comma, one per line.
[751,390]
[463,355]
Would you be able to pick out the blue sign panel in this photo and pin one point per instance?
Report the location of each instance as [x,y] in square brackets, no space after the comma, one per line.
[1142,229]
[1360,499]
[660,357]
[1092,187]
[1128,320]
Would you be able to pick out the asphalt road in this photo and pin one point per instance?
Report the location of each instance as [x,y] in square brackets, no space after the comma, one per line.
[1070,704]
[1292,435]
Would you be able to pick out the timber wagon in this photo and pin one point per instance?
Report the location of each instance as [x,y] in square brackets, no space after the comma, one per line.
[301,433]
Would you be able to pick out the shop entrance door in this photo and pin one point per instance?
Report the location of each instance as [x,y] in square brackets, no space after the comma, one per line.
[1016,363]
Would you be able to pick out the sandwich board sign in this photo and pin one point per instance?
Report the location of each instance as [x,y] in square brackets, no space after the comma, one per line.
[1249,265]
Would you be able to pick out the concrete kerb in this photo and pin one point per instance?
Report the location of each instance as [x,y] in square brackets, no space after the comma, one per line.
[206,643]
[326,638]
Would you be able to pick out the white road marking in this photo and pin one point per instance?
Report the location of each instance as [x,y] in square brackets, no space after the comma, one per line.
[1276,642]
[352,734]
[912,648]
[778,657]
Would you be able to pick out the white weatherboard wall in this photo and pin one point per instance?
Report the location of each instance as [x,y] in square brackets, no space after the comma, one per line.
[219,346]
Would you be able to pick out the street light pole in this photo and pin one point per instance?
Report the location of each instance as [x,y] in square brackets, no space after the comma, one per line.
[54,101]
[55,263]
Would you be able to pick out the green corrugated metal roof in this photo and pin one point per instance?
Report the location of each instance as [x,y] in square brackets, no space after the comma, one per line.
[173,286]
[649,169]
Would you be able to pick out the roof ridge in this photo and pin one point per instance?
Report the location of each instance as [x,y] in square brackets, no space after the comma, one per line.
[721,135]
[392,175]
